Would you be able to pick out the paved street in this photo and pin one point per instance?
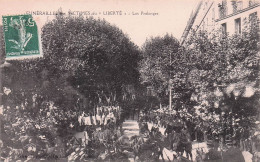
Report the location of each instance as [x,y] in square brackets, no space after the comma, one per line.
[130,128]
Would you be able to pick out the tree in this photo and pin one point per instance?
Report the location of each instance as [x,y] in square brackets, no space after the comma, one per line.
[98,59]
[85,61]
[155,66]
[165,61]
[225,73]
[83,58]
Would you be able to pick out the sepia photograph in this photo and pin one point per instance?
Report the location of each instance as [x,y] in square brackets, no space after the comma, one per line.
[129,81]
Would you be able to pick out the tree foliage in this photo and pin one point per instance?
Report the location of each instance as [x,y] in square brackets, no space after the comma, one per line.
[225,74]
[156,67]
[211,73]
[83,58]
[166,64]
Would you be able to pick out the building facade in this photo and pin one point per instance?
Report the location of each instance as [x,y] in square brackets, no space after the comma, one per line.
[227,15]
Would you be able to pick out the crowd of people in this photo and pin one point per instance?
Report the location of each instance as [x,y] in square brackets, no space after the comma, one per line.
[37,128]
[101,130]
[165,120]
[34,129]
[102,116]
[205,129]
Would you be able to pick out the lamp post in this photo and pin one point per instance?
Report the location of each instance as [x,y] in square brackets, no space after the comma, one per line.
[170,94]
[170,84]
[222,140]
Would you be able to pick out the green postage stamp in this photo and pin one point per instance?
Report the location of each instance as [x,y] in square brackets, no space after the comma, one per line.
[21,36]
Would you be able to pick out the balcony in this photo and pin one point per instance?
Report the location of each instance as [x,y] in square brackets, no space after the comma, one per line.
[223,14]
[222,10]
[237,5]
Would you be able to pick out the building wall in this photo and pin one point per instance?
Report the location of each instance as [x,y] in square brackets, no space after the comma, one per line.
[209,17]
[206,17]
[243,15]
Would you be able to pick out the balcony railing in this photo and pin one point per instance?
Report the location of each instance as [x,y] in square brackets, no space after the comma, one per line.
[224,16]
[222,9]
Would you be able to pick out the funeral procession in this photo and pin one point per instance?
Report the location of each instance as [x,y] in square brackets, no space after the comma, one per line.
[130,81]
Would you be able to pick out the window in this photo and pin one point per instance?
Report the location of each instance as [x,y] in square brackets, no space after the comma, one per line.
[252,2]
[224,28]
[222,9]
[238,26]
[253,17]
[234,5]
[237,5]
[253,20]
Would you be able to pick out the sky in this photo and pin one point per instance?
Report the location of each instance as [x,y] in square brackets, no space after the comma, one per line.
[170,16]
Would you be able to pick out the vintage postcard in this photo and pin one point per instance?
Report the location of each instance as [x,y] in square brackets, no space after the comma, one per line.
[140,80]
